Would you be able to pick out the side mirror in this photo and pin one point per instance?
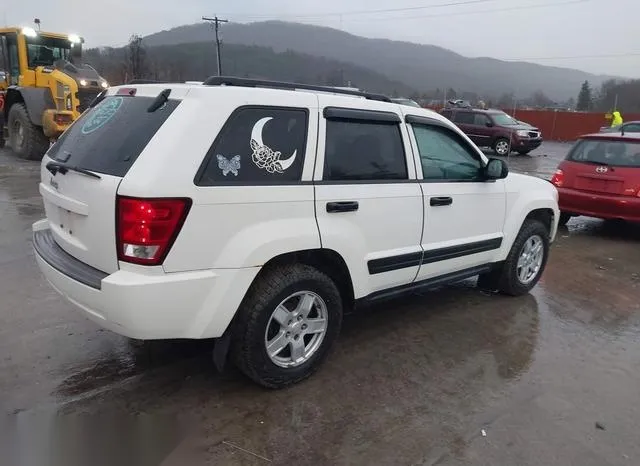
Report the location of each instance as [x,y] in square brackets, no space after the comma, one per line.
[489,124]
[496,169]
[3,77]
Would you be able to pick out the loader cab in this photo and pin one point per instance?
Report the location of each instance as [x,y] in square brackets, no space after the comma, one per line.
[22,50]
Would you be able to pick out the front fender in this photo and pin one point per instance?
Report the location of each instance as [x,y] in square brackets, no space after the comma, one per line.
[524,195]
[35,99]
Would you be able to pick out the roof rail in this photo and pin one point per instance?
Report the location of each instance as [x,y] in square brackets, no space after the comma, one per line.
[245,82]
[146,81]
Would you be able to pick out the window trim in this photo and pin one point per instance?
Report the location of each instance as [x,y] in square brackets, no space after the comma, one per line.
[397,125]
[425,121]
[197,179]
[377,116]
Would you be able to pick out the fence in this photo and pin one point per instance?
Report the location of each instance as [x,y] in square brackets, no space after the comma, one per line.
[566,126]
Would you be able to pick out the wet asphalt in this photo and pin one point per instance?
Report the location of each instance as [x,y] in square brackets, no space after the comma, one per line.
[451,377]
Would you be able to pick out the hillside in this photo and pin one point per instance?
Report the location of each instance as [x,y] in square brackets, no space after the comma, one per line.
[423,67]
[196,61]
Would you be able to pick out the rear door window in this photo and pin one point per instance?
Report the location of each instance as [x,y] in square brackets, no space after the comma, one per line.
[109,137]
[364,150]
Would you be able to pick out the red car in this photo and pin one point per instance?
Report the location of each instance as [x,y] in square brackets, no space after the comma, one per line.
[601,178]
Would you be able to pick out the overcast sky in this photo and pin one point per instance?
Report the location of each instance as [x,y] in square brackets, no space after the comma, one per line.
[568,33]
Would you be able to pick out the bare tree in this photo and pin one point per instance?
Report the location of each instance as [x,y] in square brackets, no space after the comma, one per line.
[136,58]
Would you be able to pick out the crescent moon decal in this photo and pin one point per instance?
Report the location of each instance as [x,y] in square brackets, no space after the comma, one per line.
[256,133]
[265,157]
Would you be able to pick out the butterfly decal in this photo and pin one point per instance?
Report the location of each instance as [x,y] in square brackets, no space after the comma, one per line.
[229,166]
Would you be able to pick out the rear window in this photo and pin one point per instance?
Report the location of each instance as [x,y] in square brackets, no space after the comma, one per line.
[109,137]
[606,152]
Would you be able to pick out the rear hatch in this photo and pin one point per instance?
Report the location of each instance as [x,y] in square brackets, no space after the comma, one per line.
[604,166]
[81,173]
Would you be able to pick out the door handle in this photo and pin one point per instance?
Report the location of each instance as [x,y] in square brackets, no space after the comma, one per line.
[440,201]
[342,206]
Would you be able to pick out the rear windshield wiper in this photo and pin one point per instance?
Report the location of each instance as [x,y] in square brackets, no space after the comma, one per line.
[160,100]
[57,167]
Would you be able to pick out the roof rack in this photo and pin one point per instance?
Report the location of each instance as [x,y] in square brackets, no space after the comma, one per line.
[244,82]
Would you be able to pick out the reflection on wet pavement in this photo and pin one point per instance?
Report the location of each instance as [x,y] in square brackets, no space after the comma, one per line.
[415,381]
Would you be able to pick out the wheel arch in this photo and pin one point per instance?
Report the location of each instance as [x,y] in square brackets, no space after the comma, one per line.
[541,209]
[544,215]
[13,96]
[326,261]
[499,136]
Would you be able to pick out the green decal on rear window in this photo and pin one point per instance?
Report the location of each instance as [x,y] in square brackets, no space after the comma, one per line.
[101,115]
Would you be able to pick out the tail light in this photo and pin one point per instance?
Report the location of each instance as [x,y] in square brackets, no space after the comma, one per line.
[558,178]
[147,228]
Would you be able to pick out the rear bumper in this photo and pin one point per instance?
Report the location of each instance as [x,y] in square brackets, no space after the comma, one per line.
[145,303]
[599,205]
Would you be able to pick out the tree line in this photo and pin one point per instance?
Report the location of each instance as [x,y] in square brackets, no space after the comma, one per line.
[196,62]
[614,94]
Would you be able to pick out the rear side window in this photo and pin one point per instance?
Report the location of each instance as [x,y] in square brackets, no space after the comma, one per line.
[109,137]
[257,145]
[446,114]
[606,152]
[466,118]
[363,150]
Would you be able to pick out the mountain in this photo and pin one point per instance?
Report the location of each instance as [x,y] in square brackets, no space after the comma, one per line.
[422,67]
[196,61]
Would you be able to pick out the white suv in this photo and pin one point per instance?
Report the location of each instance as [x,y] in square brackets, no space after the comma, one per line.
[258,212]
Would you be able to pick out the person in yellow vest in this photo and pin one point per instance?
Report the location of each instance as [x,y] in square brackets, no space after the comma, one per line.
[616,119]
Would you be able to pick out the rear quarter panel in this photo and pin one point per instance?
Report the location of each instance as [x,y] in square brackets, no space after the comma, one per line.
[227,226]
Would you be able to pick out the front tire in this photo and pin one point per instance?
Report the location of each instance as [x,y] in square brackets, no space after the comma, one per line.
[286,325]
[502,147]
[525,263]
[26,139]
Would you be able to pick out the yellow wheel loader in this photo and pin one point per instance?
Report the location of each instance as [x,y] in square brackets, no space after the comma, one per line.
[44,87]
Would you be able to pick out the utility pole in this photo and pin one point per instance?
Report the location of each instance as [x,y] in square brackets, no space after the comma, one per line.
[216,22]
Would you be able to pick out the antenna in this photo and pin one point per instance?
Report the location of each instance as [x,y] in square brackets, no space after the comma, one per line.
[37,22]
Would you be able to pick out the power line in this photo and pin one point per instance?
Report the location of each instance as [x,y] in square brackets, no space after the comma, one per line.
[216,21]
[437,15]
[365,12]
[478,12]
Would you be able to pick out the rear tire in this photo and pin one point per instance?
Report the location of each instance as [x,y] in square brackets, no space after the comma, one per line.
[26,139]
[277,296]
[564,218]
[524,265]
[524,152]
[502,147]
